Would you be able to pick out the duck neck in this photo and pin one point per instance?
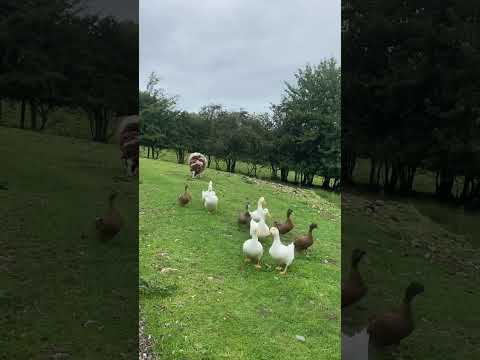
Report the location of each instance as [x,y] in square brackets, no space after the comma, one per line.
[406,309]
[255,237]
[260,207]
[111,201]
[276,239]
[355,274]
[289,221]
[310,233]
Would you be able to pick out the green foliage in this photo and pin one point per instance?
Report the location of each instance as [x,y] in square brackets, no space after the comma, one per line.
[410,94]
[53,57]
[308,122]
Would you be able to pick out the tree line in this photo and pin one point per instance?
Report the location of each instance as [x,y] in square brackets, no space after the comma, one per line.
[411,94]
[300,136]
[54,55]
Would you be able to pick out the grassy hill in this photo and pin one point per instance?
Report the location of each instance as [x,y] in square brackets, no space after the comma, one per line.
[63,292]
[214,306]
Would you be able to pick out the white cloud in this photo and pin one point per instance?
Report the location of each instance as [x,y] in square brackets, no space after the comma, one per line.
[235,52]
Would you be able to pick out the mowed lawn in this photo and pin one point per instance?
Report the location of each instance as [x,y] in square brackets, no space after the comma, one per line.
[64,294]
[204,302]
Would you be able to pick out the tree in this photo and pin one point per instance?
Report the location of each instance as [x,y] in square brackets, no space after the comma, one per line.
[308,124]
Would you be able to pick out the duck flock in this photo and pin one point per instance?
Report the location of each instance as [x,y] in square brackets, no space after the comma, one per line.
[256,221]
[385,328]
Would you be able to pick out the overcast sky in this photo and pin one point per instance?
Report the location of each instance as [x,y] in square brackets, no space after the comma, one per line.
[234,52]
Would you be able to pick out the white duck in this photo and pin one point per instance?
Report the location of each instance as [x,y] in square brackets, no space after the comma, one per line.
[209,191]
[210,199]
[211,202]
[253,249]
[261,227]
[282,254]
[260,212]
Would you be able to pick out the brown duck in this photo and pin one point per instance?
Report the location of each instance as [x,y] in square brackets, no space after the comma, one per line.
[245,217]
[287,225]
[305,241]
[110,224]
[185,198]
[353,289]
[390,327]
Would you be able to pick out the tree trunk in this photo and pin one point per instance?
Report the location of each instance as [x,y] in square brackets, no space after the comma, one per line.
[230,165]
[349,161]
[310,179]
[284,174]
[33,115]
[44,117]
[274,171]
[406,177]
[180,155]
[336,184]
[379,175]
[403,177]
[326,183]
[100,124]
[391,182]
[445,185]
[411,177]
[373,165]
[22,114]
[466,193]
[43,111]
[386,175]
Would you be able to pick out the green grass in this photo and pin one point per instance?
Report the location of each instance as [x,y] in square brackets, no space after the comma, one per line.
[453,217]
[214,306]
[403,245]
[53,280]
